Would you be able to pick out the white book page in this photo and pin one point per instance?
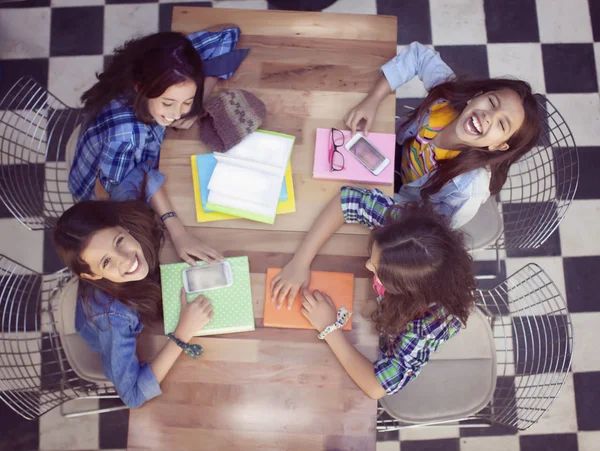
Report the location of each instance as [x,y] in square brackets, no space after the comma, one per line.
[245,184]
[264,148]
[241,204]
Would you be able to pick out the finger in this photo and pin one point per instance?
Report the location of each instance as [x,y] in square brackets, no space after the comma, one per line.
[305,312]
[276,289]
[215,255]
[274,282]
[354,123]
[348,117]
[369,122]
[210,315]
[318,296]
[208,307]
[201,255]
[308,296]
[282,295]
[292,297]
[183,297]
[328,299]
[187,258]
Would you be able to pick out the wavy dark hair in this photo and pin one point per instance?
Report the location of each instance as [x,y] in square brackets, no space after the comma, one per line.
[457,93]
[422,260]
[74,231]
[144,69]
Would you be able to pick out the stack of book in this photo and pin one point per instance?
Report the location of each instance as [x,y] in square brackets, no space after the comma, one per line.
[252,180]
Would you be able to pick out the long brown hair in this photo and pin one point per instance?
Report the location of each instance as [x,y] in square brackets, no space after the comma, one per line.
[457,93]
[74,231]
[422,261]
[144,69]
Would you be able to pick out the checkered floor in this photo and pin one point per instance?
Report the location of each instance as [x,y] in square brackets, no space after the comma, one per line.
[553,44]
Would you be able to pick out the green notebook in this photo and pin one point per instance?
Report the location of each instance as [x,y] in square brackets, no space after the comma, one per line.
[232,306]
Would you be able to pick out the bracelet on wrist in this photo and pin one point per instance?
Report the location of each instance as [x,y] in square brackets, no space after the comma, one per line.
[170,214]
[343,315]
[193,350]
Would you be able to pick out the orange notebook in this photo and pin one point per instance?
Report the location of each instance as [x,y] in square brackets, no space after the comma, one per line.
[338,285]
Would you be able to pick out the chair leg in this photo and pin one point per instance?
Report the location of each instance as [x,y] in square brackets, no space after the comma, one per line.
[93,411]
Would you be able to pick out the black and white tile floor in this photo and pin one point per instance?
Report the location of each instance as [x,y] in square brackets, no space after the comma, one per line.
[553,44]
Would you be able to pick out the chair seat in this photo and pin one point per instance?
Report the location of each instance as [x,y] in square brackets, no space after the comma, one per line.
[485,228]
[86,363]
[458,381]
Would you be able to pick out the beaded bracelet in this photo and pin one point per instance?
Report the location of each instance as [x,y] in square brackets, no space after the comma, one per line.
[192,350]
[170,214]
[343,316]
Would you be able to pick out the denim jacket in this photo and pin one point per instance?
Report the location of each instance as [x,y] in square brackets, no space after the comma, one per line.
[460,198]
[110,328]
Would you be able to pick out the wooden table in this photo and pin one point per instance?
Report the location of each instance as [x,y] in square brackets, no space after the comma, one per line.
[276,389]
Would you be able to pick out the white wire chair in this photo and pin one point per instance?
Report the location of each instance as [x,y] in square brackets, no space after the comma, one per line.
[533,342]
[35,373]
[537,194]
[35,127]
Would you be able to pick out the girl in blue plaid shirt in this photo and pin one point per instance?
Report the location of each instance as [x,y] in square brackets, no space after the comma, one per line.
[421,273]
[154,82]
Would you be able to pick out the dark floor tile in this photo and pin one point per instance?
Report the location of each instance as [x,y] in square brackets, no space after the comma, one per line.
[22,189]
[447,444]
[165,13]
[522,222]
[414,22]
[569,175]
[550,442]
[489,268]
[388,436]
[588,186]
[468,60]
[569,68]
[587,400]
[120,2]
[51,261]
[12,70]
[511,21]
[113,425]
[61,124]
[77,31]
[300,5]
[595,16]
[25,4]
[541,344]
[18,433]
[581,283]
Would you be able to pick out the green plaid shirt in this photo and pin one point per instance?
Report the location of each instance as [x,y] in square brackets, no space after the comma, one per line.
[411,349]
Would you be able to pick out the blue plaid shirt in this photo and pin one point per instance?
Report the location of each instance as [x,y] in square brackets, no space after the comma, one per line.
[116,142]
[411,349]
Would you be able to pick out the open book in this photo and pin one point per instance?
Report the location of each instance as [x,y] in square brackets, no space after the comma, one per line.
[247,180]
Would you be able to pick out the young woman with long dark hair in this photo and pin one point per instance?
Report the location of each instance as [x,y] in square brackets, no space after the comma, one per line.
[113,247]
[151,83]
[459,143]
[422,275]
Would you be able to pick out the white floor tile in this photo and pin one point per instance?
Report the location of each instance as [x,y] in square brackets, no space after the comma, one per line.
[579,232]
[353,7]
[561,417]
[561,21]
[58,432]
[455,22]
[24,246]
[123,22]
[20,360]
[241,4]
[522,60]
[588,440]
[429,433]
[387,446]
[597,57]
[77,2]
[24,33]
[585,332]
[553,266]
[582,115]
[500,443]
[70,76]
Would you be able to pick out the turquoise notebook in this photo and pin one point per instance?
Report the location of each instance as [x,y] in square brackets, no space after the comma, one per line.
[206,163]
[232,306]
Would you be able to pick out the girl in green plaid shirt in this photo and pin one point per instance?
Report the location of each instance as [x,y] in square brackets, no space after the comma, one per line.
[422,275]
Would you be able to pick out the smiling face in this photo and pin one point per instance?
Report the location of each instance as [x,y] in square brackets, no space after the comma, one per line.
[490,119]
[113,254]
[175,102]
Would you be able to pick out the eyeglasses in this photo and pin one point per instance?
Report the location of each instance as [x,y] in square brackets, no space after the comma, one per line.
[336,158]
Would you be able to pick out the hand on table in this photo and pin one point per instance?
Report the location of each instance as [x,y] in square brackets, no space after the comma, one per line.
[294,276]
[189,247]
[364,111]
[194,316]
[319,309]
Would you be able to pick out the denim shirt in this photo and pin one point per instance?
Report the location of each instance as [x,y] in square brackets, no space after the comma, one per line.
[461,197]
[110,328]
